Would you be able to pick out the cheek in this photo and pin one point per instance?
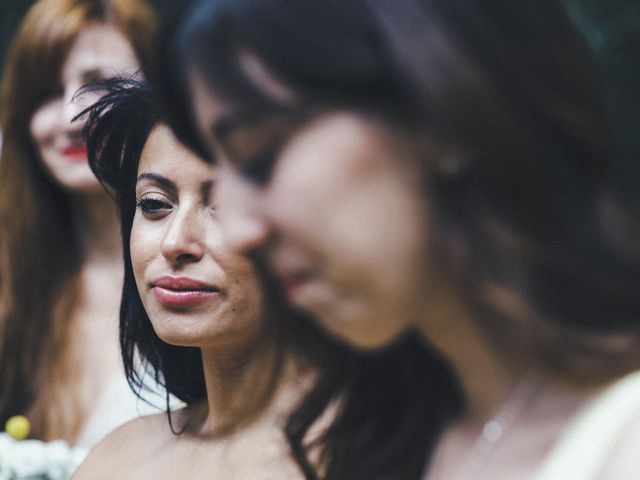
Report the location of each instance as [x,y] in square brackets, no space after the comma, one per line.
[247,295]
[357,203]
[318,202]
[237,203]
[227,194]
[142,248]
[298,197]
[42,124]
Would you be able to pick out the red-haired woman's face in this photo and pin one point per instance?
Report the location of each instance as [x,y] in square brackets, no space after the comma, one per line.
[99,52]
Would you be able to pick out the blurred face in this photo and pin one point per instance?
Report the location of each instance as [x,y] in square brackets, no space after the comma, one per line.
[333,204]
[99,52]
[196,291]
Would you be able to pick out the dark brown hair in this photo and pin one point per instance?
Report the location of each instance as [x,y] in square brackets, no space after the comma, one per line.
[511,94]
[117,129]
[393,381]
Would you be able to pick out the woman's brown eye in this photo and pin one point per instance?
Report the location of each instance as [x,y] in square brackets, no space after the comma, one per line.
[151,206]
[253,147]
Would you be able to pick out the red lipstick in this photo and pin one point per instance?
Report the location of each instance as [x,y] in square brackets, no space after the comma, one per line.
[182,292]
[76,152]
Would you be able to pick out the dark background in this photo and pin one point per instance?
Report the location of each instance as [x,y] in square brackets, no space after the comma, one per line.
[613,30]
[612,27]
[12,11]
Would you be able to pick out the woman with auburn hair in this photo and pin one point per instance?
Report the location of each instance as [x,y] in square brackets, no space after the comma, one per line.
[60,273]
[445,166]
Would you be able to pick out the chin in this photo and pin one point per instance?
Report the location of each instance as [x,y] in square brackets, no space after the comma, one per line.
[370,343]
[179,339]
[361,334]
[186,335]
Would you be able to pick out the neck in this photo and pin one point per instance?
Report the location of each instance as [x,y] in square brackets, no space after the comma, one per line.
[511,413]
[96,220]
[486,378]
[505,402]
[236,375]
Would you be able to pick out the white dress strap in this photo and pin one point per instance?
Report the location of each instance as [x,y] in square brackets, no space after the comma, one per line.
[583,450]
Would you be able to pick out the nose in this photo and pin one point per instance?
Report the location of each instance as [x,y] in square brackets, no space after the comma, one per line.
[183,240]
[244,224]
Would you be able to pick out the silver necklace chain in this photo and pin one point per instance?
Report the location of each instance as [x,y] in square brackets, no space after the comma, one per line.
[492,432]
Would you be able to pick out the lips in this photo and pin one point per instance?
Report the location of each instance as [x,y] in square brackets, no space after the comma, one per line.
[77,152]
[183,292]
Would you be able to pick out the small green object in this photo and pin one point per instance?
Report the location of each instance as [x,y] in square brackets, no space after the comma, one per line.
[18,427]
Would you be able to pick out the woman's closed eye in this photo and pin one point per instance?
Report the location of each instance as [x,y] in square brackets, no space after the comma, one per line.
[258,167]
[153,207]
[253,144]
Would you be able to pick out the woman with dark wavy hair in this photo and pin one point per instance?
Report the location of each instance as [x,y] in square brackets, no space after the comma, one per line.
[444,166]
[208,325]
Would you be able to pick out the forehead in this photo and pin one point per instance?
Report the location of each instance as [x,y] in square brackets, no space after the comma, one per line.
[100,47]
[207,105]
[162,152]
[263,86]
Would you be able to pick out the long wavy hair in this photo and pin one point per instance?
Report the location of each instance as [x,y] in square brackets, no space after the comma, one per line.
[39,249]
[512,93]
[394,382]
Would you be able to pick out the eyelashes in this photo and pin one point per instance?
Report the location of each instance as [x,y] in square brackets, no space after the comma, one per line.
[153,208]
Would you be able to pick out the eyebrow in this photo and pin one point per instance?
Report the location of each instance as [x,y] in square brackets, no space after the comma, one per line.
[159,179]
[168,184]
[92,73]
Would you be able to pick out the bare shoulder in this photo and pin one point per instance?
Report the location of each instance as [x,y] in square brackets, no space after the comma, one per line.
[625,460]
[124,448]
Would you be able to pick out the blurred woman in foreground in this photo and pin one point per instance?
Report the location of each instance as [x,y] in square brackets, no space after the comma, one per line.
[257,380]
[443,167]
